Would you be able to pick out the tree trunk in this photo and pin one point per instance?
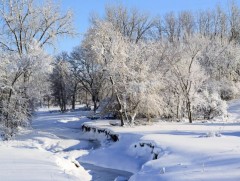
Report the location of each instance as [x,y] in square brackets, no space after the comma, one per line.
[189,111]
[178,107]
[64,106]
[74,96]
[122,119]
[95,103]
[86,99]
[48,100]
[133,117]
[95,106]
[73,101]
[119,103]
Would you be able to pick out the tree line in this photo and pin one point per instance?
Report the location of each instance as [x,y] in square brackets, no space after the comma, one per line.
[178,66]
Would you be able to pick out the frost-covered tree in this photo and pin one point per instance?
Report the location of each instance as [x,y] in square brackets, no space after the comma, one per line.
[60,80]
[26,28]
[130,69]
[185,73]
[17,96]
[110,50]
[187,77]
[143,82]
[221,62]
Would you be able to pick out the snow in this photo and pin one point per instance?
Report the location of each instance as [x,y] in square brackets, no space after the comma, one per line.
[56,149]
[38,154]
[20,162]
[199,151]
[190,157]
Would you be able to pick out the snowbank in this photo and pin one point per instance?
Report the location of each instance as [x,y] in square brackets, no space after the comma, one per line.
[166,151]
[20,162]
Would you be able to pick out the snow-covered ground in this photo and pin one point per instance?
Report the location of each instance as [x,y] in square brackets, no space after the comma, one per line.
[49,150]
[37,154]
[54,147]
[175,151]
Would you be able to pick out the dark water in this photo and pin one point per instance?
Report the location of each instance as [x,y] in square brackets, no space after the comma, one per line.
[106,174]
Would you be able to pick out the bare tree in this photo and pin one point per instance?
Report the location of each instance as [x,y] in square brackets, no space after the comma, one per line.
[25,21]
[186,23]
[88,72]
[171,26]
[234,21]
[130,23]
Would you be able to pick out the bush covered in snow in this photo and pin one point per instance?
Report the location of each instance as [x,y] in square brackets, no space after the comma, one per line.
[210,105]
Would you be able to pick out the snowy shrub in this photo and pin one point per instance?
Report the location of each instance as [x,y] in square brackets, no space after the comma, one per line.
[227,93]
[228,90]
[209,105]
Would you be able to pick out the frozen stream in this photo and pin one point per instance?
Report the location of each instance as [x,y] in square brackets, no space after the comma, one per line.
[106,174]
[67,127]
[100,173]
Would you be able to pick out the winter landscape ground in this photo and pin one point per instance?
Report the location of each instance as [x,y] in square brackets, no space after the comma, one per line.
[142,96]
[57,149]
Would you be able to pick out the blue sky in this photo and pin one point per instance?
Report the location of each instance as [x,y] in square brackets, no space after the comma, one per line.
[83,8]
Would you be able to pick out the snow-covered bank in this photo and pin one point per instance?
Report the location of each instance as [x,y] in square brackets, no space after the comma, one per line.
[39,153]
[166,151]
[25,162]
